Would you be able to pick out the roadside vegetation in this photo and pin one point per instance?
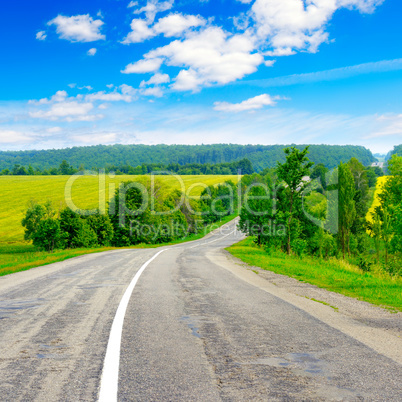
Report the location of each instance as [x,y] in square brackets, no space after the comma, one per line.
[17,257]
[322,231]
[336,275]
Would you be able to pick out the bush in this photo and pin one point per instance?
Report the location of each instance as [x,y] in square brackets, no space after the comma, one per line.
[299,246]
[48,235]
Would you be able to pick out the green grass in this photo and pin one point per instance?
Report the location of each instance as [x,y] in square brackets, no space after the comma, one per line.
[17,191]
[335,275]
[16,257]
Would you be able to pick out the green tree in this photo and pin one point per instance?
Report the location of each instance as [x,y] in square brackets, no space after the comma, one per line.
[292,172]
[34,215]
[48,235]
[65,168]
[347,210]
[256,213]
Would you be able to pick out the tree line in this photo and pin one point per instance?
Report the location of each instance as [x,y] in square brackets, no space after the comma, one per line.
[101,156]
[242,166]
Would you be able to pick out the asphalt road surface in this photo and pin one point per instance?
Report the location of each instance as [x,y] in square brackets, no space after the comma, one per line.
[198,327]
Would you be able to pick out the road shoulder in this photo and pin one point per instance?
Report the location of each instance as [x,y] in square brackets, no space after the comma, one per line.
[376,327]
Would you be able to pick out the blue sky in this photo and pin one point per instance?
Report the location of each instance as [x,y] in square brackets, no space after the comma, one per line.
[191,72]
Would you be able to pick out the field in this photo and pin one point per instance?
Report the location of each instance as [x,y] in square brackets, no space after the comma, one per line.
[378,189]
[87,192]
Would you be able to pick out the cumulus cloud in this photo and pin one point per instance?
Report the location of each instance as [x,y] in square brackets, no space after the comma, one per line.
[81,107]
[92,52]
[147,65]
[287,26]
[211,56]
[258,102]
[169,26]
[156,79]
[153,91]
[154,7]
[140,32]
[206,54]
[176,24]
[78,28]
[41,35]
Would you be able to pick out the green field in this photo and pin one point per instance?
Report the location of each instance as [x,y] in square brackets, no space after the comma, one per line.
[17,191]
[335,275]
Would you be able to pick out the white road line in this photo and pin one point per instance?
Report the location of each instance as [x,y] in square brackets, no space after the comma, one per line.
[110,373]
[220,238]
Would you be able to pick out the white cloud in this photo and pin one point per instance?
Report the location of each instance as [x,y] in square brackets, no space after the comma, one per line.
[72,85]
[132,4]
[286,26]
[176,24]
[153,91]
[64,108]
[13,137]
[208,55]
[148,65]
[154,7]
[171,25]
[92,52]
[258,102]
[61,107]
[390,125]
[212,56]
[139,32]
[53,130]
[156,79]
[41,35]
[78,28]
[97,138]
[108,97]
[87,87]
[68,111]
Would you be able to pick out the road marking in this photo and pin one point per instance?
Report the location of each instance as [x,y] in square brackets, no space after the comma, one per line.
[110,372]
[220,238]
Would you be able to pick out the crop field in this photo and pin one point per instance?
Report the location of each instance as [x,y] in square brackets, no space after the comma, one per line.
[83,192]
[378,189]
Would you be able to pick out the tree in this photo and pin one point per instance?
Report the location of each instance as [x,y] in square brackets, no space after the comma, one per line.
[347,210]
[256,213]
[319,171]
[292,172]
[48,235]
[76,231]
[65,168]
[34,215]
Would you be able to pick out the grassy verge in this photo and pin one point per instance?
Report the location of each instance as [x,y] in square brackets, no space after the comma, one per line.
[334,275]
[16,257]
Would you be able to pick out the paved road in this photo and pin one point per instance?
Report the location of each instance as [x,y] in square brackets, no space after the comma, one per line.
[198,327]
